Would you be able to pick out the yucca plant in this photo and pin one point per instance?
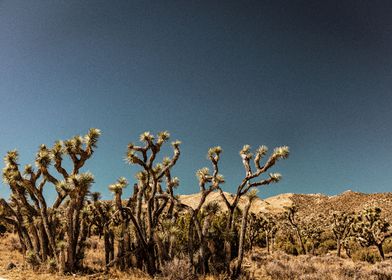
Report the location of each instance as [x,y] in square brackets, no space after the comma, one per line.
[252,179]
[294,222]
[341,228]
[149,200]
[371,229]
[38,225]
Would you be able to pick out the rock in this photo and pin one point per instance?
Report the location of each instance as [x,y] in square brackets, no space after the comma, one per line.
[11,265]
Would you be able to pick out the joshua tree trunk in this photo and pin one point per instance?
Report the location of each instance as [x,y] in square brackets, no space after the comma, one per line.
[380,250]
[338,247]
[228,239]
[301,243]
[70,264]
[267,242]
[151,259]
[244,222]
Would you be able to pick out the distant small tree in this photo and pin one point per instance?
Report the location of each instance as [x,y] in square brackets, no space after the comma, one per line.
[341,228]
[371,229]
[255,228]
[270,227]
[312,230]
[295,224]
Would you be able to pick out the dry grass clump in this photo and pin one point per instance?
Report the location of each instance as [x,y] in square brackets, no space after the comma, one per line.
[177,270]
[306,267]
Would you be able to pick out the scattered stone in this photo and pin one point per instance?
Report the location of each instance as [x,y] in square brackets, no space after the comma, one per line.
[11,265]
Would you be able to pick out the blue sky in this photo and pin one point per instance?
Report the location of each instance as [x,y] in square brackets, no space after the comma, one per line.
[314,76]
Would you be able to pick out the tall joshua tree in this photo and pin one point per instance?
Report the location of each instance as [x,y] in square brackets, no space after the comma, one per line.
[208,182]
[253,178]
[37,224]
[149,199]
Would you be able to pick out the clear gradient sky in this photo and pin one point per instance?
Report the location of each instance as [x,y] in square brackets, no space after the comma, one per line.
[313,75]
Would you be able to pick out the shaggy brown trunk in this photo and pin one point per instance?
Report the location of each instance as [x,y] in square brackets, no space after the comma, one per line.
[339,247]
[203,246]
[121,242]
[301,243]
[227,245]
[70,265]
[267,242]
[36,242]
[109,246]
[43,242]
[45,223]
[81,244]
[151,259]
[242,239]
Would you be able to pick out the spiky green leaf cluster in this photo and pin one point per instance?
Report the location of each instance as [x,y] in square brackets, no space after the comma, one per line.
[121,183]
[281,152]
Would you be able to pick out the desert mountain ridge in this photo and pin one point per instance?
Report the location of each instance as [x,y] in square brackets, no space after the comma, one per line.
[348,201]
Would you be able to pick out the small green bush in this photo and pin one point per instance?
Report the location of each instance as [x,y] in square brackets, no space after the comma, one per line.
[366,255]
[289,248]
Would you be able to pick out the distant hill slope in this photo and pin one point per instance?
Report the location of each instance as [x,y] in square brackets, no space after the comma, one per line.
[307,204]
[273,204]
[347,201]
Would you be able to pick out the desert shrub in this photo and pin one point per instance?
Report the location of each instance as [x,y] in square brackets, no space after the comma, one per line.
[289,248]
[305,268]
[382,271]
[387,246]
[366,255]
[279,270]
[177,269]
[326,246]
[381,274]
[52,267]
[13,244]
[92,244]
[32,259]
[346,272]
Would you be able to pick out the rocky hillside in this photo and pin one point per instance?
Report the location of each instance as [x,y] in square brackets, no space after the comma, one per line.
[347,201]
[308,204]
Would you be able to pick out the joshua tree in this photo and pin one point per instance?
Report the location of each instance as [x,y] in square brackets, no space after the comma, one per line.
[40,228]
[268,224]
[122,219]
[149,200]
[254,228]
[371,229]
[294,223]
[341,228]
[312,230]
[101,216]
[251,180]
[209,212]
[207,183]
